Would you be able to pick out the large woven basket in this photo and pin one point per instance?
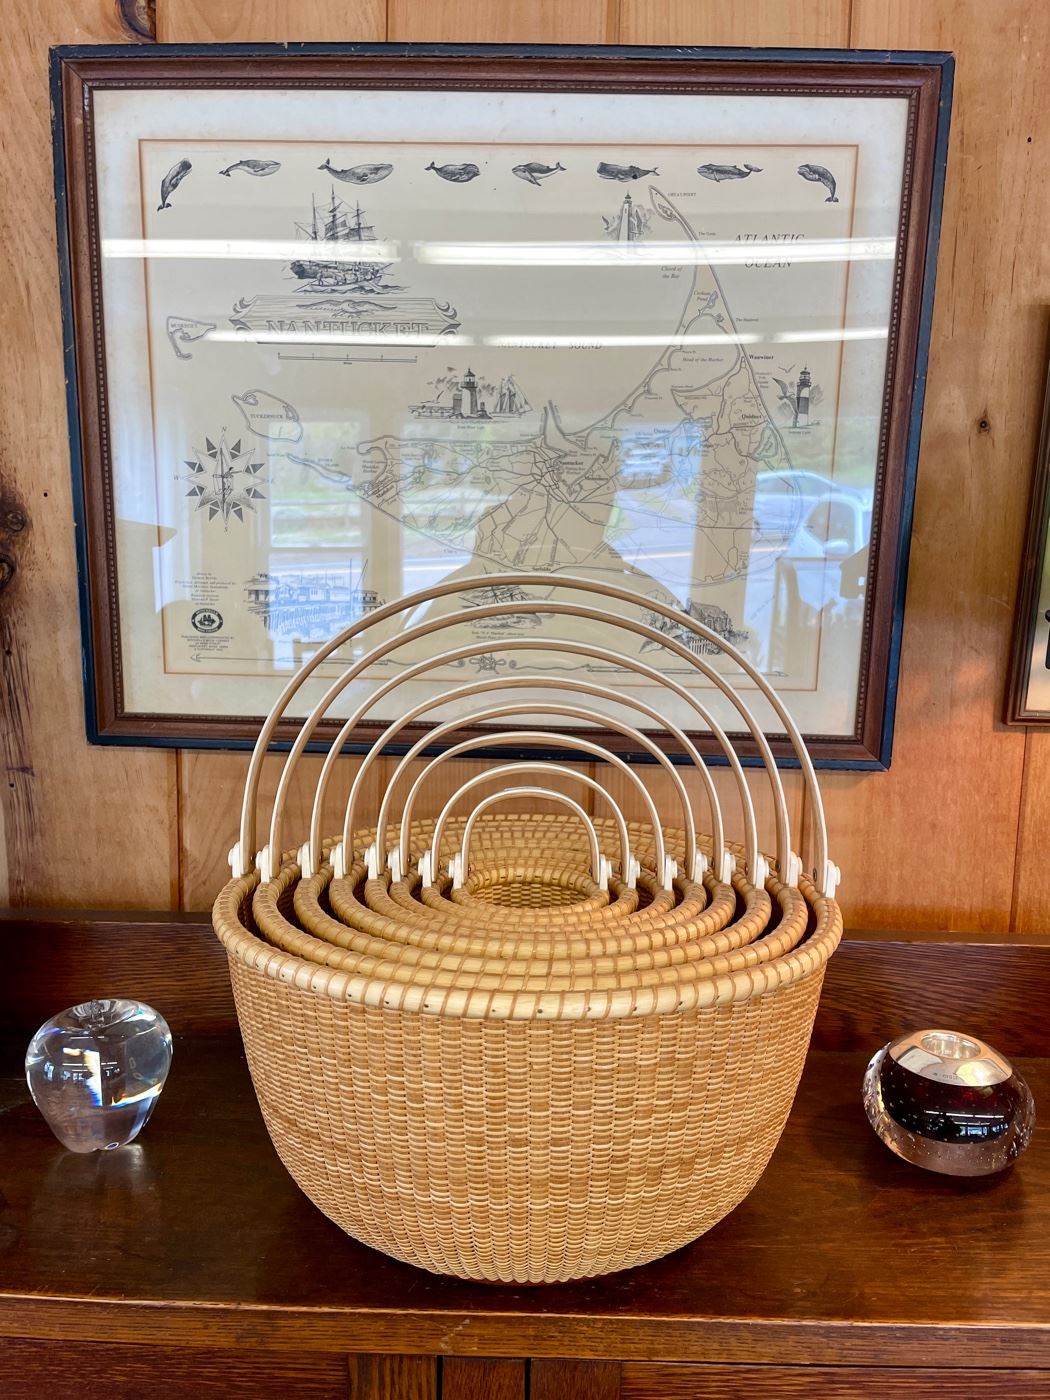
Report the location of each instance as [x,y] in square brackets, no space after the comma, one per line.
[545,1064]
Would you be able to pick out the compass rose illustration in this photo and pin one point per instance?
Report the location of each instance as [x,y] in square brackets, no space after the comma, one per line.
[223,479]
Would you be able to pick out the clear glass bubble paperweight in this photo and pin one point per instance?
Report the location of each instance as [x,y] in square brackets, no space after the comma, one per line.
[96,1070]
[948,1102]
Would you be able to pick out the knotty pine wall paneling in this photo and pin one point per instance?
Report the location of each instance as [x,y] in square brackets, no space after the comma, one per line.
[955,835]
[933,842]
[504,22]
[269,21]
[78,825]
[210,784]
[805,24]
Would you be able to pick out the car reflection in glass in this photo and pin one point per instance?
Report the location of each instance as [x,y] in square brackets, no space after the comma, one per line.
[808,567]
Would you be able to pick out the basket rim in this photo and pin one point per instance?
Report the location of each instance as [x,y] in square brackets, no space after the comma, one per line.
[392,908]
[454,910]
[802,962]
[523,967]
[639,931]
[392,913]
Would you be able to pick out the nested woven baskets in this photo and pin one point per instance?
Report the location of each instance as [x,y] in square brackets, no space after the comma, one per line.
[527,1047]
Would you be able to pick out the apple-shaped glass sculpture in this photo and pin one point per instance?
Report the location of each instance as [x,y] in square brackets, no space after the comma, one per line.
[96,1070]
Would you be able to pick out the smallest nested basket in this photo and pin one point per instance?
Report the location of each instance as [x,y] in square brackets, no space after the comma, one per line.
[526,1046]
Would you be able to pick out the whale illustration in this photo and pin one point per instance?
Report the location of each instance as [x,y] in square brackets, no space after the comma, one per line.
[457,174]
[358,174]
[534,172]
[172,181]
[824,176]
[253,167]
[728,172]
[623,172]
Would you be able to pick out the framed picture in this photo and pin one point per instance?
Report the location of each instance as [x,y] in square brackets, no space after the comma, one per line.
[1028,695]
[344,321]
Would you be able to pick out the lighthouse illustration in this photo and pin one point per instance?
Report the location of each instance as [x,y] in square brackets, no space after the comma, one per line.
[628,224]
[802,388]
[460,396]
[468,387]
[795,398]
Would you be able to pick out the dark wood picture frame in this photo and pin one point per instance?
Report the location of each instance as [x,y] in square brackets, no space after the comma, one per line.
[1033,605]
[924,79]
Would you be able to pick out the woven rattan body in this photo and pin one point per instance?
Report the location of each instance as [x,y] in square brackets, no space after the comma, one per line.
[525,1133]
[521,1152]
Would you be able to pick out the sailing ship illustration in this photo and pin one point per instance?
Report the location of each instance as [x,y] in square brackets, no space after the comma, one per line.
[510,401]
[341,288]
[344,235]
[494,593]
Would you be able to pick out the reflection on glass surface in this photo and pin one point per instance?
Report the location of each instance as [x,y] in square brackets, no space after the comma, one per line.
[660,365]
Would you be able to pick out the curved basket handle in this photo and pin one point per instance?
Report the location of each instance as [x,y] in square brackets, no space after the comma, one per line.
[458,868]
[561,741]
[788,864]
[599,864]
[553,739]
[311,852]
[666,868]
[825,873]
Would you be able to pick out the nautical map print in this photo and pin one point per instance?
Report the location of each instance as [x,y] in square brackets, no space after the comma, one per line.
[697,417]
[447,370]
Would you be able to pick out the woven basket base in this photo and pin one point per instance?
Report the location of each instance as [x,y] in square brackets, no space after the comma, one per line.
[523,1136]
[518,1152]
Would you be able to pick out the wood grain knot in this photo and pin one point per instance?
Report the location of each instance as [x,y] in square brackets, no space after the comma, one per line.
[139,19]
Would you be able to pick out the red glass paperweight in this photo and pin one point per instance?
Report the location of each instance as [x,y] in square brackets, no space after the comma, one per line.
[948,1102]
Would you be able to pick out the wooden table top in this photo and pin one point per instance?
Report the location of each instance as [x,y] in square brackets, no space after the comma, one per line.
[841,1254]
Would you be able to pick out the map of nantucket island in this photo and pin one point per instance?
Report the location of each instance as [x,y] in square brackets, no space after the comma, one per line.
[375,364]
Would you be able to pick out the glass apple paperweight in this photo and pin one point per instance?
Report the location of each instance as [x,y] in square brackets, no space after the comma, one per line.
[96,1070]
[948,1102]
